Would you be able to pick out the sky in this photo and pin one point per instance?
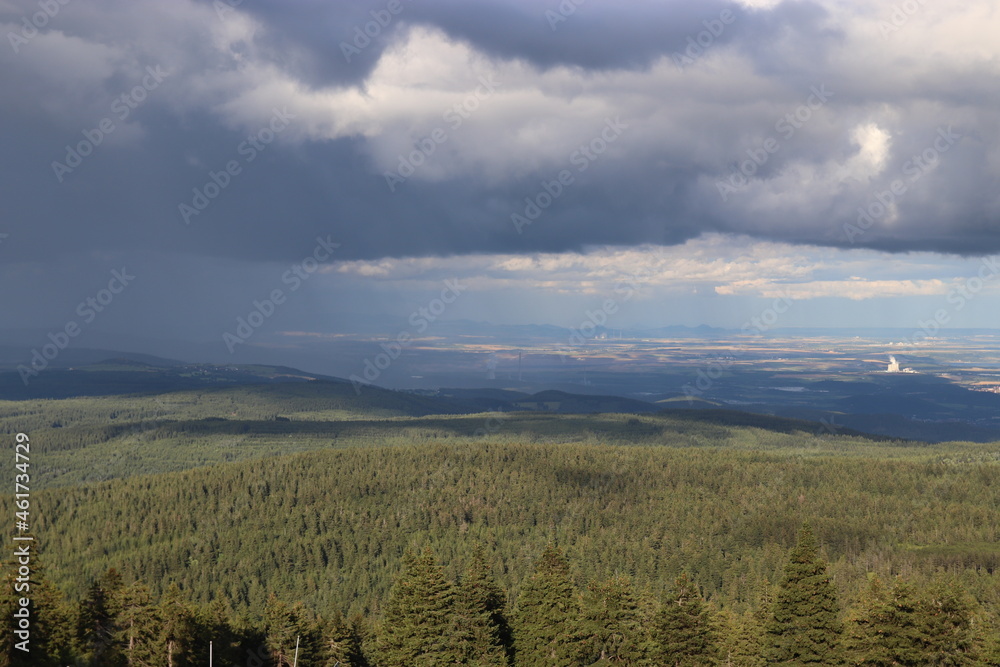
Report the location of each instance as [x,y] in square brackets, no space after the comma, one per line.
[169,167]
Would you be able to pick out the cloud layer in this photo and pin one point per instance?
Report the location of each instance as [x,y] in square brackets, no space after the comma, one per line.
[831,123]
[717,152]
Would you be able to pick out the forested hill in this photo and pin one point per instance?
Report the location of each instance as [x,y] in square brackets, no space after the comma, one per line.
[125,376]
[345,516]
[92,439]
[329,529]
[247,514]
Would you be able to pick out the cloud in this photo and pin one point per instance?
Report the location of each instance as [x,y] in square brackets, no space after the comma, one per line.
[720,264]
[856,290]
[689,128]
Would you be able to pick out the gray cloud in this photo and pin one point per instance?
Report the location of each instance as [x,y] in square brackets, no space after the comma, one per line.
[688,129]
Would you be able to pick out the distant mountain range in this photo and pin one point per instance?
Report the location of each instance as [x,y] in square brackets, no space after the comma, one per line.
[864,408]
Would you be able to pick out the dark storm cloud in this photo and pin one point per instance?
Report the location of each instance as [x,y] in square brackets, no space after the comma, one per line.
[592,35]
[274,208]
[687,129]
[323,42]
[310,36]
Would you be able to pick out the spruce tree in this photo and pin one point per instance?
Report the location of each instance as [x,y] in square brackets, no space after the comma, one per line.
[989,640]
[805,627]
[280,628]
[683,633]
[50,620]
[177,630]
[290,629]
[215,622]
[740,639]
[96,628]
[613,623]
[362,629]
[482,623]
[137,626]
[547,629]
[906,625]
[946,622]
[881,629]
[418,623]
[341,645]
[749,651]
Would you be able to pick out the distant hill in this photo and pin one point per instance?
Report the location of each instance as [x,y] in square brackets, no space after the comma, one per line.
[12,356]
[139,374]
[767,422]
[563,402]
[914,406]
[550,400]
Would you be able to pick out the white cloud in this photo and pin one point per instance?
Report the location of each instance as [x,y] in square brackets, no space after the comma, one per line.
[725,265]
[855,289]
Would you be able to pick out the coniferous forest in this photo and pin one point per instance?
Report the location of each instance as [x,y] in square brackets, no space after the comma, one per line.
[500,333]
[495,539]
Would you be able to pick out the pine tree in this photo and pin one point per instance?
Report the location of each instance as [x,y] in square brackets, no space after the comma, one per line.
[805,627]
[547,630]
[682,631]
[418,622]
[482,624]
[613,623]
